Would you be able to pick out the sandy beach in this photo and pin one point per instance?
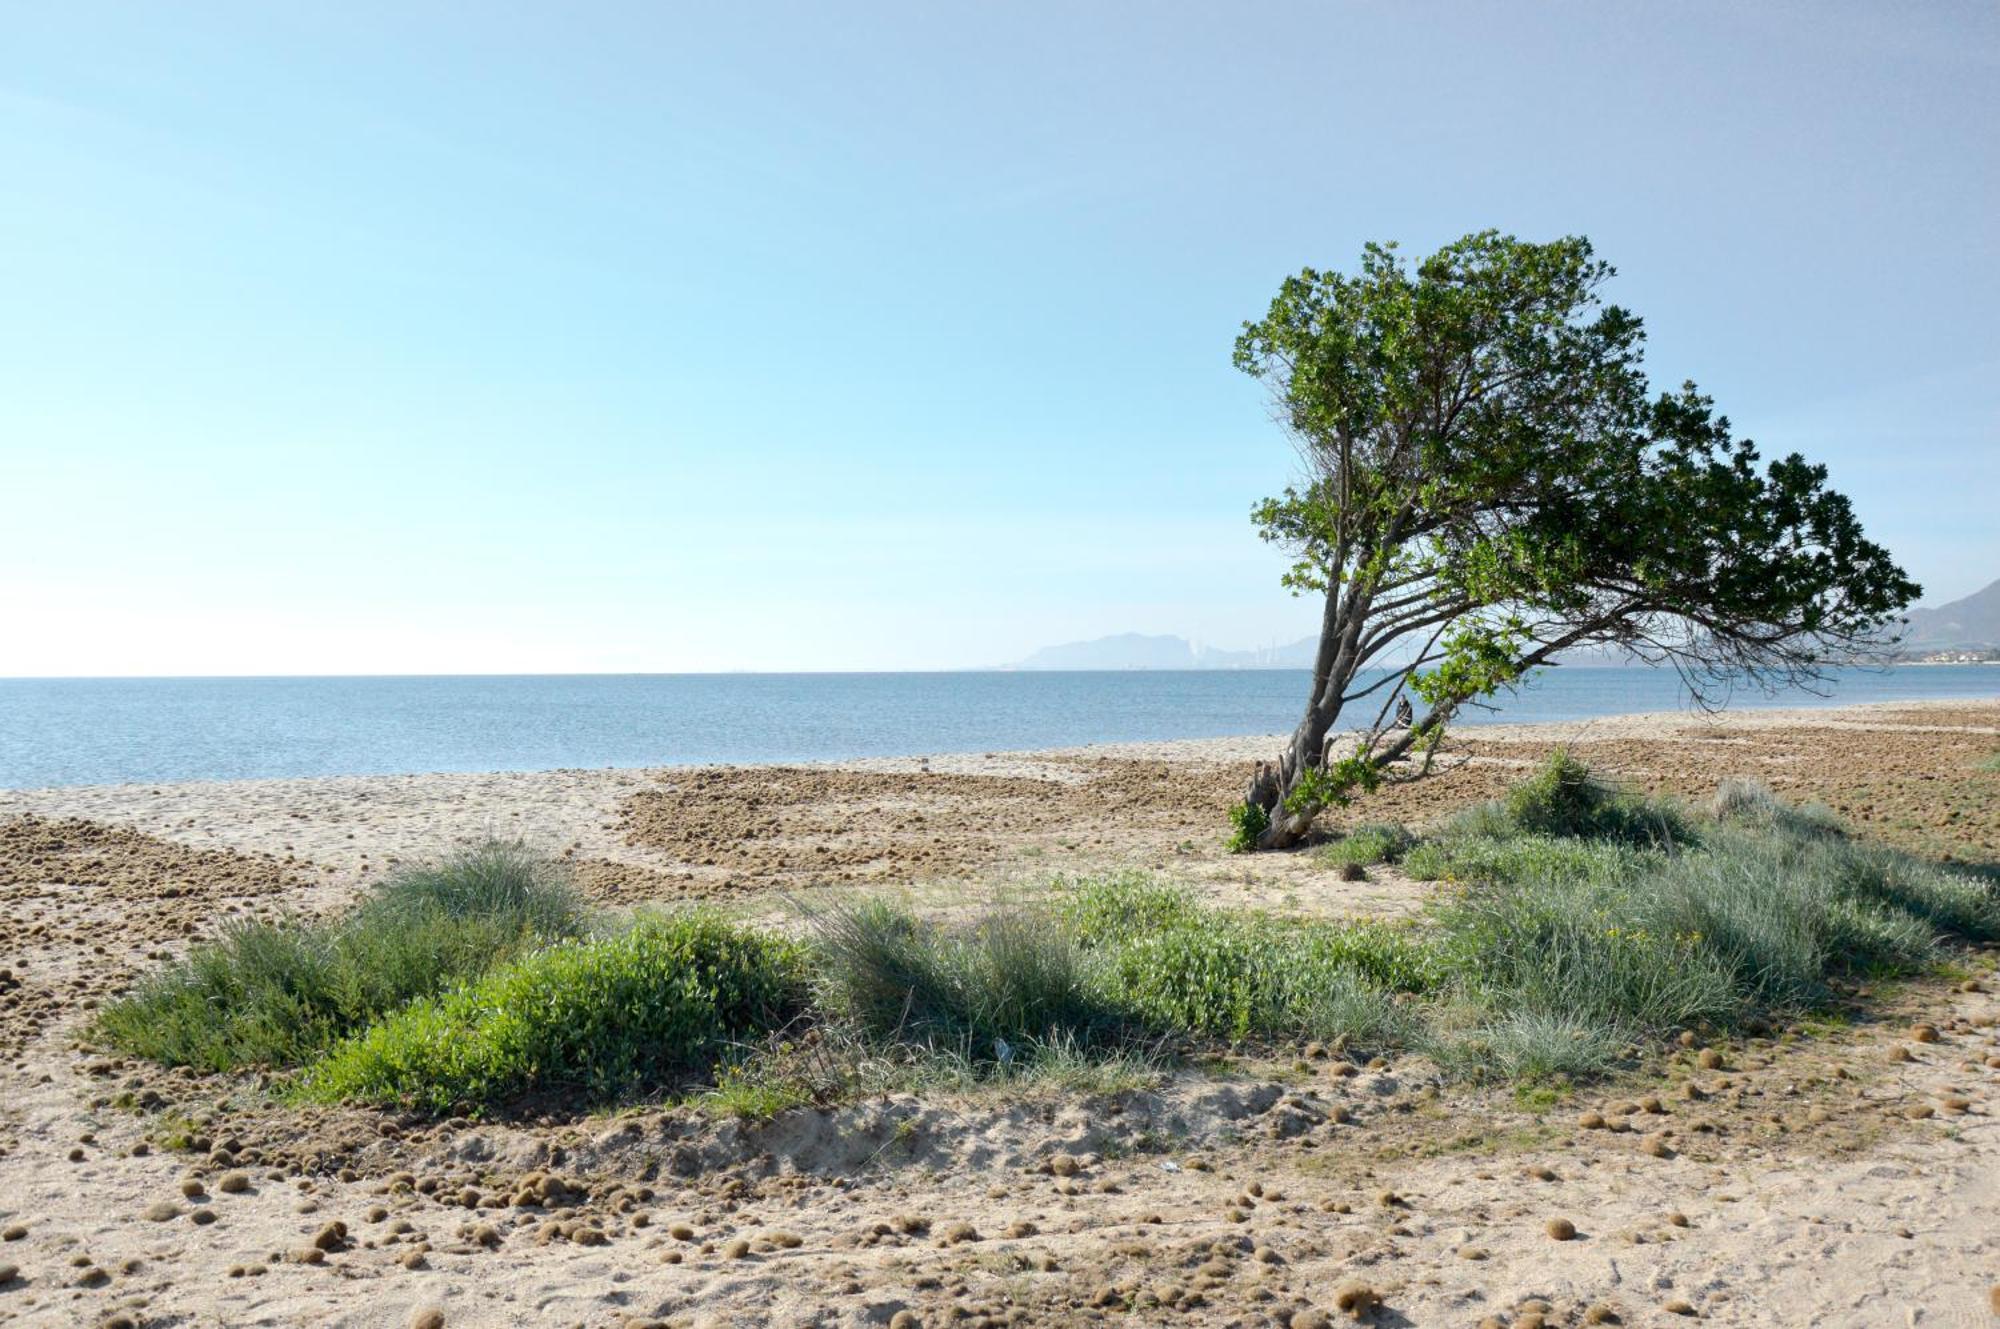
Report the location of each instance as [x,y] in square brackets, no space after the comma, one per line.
[727,667]
[1791,1183]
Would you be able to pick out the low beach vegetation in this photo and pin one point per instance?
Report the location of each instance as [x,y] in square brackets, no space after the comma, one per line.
[1571,925]
[1563,798]
[277,993]
[1172,964]
[1008,977]
[1247,824]
[1368,846]
[603,1018]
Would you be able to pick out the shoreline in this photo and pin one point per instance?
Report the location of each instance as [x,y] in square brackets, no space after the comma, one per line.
[1221,749]
[225,735]
[966,819]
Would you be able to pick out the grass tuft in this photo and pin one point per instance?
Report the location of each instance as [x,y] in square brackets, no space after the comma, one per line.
[277,994]
[1564,799]
[1756,917]
[1009,978]
[1174,965]
[1368,846]
[1531,1048]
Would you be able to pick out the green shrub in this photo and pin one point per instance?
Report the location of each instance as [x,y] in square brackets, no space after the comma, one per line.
[1368,846]
[1393,956]
[276,994]
[1107,909]
[1478,858]
[604,1018]
[1247,821]
[1237,976]
[1201,980]
[1563,799]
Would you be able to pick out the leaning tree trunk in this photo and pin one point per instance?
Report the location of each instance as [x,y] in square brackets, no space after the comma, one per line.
[1273,782]
[1333,668]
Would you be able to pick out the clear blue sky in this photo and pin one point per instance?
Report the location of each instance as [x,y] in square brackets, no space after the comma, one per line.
[406,338]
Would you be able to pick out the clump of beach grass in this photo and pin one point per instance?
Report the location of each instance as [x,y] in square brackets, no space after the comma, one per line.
[1367,846]
[1753,912]
[1752,803]
[1530,1047]
[1006,978]
[1114,964]
[836,1063]
[276,994]
[1193,969]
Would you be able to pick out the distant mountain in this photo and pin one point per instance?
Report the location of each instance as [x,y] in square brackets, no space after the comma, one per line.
[1134,650]
[1971,622]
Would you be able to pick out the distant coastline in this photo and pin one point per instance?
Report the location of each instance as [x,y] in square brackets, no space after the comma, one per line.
[1963,631]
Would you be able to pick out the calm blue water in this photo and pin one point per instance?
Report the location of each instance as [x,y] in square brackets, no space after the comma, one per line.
[103,731]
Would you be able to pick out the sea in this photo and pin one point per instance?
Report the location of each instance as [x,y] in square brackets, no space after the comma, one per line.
[155,730]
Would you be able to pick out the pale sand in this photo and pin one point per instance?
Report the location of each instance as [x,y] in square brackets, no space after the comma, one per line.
[1818,1202]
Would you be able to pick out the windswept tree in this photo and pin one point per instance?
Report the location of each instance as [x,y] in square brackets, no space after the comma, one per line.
[1489,481]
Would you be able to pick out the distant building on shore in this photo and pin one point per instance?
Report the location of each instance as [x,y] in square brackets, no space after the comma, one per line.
[1972,655]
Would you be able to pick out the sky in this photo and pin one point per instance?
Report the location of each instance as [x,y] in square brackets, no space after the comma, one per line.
[419,338]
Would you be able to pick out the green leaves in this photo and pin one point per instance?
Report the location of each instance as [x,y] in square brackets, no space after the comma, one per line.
[1247,821]
[1332,785]
[1479,659]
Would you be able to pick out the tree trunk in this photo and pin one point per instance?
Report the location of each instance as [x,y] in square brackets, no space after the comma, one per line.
[1273,782]
[1333,668]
